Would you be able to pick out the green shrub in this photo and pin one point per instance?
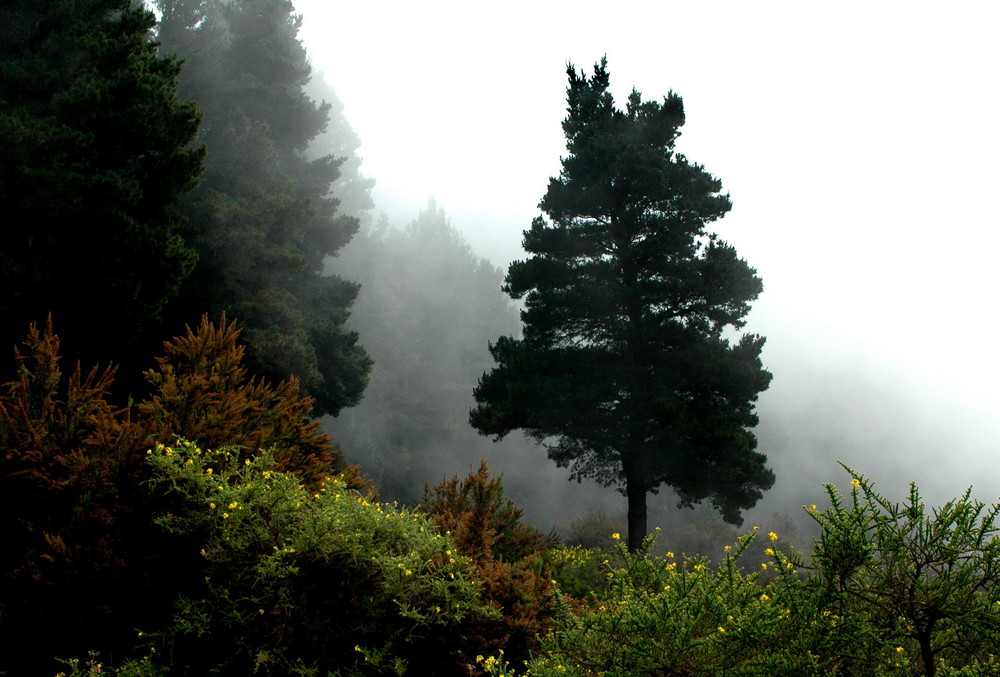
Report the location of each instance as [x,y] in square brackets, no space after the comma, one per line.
[923,581]
[890,589]
[306,581]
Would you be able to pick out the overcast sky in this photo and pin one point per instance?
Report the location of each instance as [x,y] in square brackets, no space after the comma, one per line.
[858,140]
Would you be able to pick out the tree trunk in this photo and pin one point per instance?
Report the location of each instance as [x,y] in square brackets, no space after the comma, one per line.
[635,489]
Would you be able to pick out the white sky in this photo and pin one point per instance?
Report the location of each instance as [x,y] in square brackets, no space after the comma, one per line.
[859,142]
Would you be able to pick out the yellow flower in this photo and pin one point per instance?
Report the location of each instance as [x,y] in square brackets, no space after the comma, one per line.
[764,597]
[756,528]
[721,629]
[728,548]
[233,505]
[208,471]
[616,536]
[225,515]
[670,554]
[899,649]
[212,506]
[855,483]
[773,536]
[812,507]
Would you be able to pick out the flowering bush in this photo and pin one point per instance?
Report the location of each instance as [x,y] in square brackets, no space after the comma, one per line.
[890,589]
[922,583]
[299,579]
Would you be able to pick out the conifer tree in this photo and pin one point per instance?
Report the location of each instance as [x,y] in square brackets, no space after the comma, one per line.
[95,149]
[263,220]
[624,370]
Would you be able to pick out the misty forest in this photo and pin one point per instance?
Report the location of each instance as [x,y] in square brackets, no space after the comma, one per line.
[250,425]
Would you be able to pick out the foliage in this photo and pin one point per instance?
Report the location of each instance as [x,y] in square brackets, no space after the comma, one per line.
[81,563]
[591,531]
[70,496]
[505,556]
[668,615]
[624,370]
[927,579]
[885,583]
[95,150]
[202,391]
[263,220]
[297,579]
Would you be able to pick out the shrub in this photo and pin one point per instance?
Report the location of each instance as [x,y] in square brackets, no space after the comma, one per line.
[298,580]
[81,563]
[890,589]
[923,581]
[506,557]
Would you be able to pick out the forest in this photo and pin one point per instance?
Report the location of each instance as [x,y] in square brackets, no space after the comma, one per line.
[244,420]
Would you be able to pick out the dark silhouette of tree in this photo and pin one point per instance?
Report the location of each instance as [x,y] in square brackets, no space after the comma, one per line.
[263,220]
[624,370]
[95,149]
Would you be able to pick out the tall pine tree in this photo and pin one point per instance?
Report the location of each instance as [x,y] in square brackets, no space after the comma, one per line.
[263,219]
[95,149]
[624,370]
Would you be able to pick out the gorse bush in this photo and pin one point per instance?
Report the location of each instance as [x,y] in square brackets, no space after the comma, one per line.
[890,589]
[303,581]
[82,563]
[507,559]
[925,580]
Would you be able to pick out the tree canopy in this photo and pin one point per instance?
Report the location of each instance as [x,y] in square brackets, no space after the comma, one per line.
[263,220]
[95,149]
[625,370]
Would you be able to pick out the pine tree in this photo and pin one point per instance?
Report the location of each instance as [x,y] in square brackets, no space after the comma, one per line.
[624,370]
[263,220]
[95,150]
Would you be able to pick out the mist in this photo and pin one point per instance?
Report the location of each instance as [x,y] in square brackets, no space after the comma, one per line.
[855,143]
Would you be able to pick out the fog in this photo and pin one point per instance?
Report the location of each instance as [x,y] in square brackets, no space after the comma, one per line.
[857,141]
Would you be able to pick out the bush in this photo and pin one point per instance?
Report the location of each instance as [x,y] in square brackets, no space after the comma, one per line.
[506,558]
[81,563]
[890,589]
[300,581]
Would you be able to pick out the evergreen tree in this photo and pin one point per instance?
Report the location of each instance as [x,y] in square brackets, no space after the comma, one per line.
[263,220]
[95,149]
[624,371]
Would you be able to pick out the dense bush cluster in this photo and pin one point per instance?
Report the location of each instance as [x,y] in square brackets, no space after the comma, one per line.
[890,589]
[164,555]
